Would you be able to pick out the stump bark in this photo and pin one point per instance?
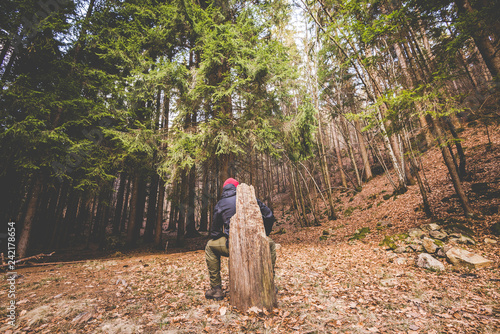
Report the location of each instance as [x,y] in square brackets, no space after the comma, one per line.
[251,279]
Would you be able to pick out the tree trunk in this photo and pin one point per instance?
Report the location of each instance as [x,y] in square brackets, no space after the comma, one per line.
[394,159]
[173,216]
[482,39]
[310,201]
[181,224]
[415,169]
[212,201]
[262,185]
[131,237]
[205,195]
[126,202]
[44,222]
[58,217]
[83,212]
[326,174]
[461,155]
[251,278]
[278,180]
[411,82]
[119,203]
[159,214]
[69,218]
[270,183]
[299,198]
[191,231]
[82,34]
[223,170]
[23,245]
[103,217]
[464,201]
[151,215]
[364,153]
[91,220]
[347,139]
[141,205]
[339,158]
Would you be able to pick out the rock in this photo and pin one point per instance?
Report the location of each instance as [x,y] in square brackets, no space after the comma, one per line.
[400,250]
[440,252]
[416,247]
[460,257]
[429,245]
[416,233]
[456,235]
[400,261]
[495,229]
[434,227]
[489,241]
[466,240]
[426,261]
[438,234]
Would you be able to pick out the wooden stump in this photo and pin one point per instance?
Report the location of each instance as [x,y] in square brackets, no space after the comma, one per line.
[251,279]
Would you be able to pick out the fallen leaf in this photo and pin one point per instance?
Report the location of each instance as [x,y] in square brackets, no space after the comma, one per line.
[444,315]
[254,309]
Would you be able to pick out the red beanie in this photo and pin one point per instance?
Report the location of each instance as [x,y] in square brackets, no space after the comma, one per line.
[231,181]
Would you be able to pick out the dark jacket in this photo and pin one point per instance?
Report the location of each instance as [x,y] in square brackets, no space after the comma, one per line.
[226,208]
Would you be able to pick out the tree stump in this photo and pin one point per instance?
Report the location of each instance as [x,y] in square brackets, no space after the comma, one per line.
[251,279]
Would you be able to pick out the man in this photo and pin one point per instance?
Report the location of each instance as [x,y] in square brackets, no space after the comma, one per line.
[218,245]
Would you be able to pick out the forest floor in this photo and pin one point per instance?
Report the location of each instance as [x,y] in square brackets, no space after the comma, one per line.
[335,285]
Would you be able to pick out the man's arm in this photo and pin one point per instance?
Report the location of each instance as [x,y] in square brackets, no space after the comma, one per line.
[267,216]
[217,222]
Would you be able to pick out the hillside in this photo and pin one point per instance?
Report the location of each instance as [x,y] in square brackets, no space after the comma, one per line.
[327,283]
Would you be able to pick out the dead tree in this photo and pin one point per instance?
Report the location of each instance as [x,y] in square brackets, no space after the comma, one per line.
[251,279]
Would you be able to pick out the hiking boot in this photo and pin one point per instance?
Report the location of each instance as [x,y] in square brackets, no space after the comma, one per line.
[215,293]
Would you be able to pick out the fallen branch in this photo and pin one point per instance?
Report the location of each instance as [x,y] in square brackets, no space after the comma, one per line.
[58,263]
[34,257]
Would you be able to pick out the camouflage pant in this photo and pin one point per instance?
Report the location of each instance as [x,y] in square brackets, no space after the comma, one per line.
[217,248]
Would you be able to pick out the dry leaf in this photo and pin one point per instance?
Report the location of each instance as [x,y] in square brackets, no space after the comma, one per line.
[254,309]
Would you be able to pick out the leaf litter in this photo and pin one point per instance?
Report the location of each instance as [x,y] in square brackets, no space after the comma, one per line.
[325,286]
